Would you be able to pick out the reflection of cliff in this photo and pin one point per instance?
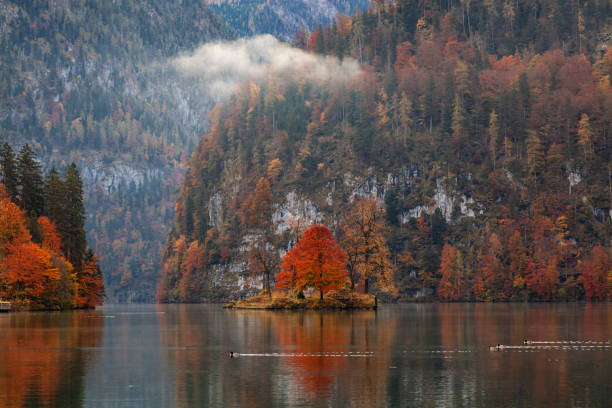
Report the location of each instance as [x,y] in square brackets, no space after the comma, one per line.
[43,361]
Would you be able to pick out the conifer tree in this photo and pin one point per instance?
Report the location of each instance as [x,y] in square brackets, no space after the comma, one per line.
[9,171]
[72,227]
[55,197]
[493,136]
[31,196]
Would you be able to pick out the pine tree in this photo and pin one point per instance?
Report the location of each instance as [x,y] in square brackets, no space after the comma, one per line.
[72,229]
[9,171]
[31,197]
[458,121]
[493,136]
[54,197]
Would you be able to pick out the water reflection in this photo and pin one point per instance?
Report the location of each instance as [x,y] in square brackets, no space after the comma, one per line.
[426,355]
[421,355]
[43,359]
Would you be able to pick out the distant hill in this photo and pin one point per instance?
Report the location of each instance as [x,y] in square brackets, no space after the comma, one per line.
[88,82]
[281,18]
[481,127]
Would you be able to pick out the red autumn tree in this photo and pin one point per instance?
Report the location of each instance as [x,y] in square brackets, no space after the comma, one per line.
[452,285]
[51,240]
[12,225]
[29,272]
[190,284]
[596,270]
[318,260]
[91,285]
[287,278]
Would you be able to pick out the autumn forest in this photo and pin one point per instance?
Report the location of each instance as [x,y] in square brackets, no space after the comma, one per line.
[468,159]
[44,259]
[410,150]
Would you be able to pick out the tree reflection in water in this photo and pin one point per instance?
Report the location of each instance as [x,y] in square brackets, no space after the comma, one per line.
[426,355]
[43,358]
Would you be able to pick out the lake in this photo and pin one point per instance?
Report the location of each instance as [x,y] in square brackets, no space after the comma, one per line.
[430,355]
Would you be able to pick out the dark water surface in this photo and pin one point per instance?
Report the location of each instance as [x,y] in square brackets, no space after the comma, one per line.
[431,355]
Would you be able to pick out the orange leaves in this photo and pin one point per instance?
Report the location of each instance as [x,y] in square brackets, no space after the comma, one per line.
[364,239]
[91,283]
[38,276]
[28,271]
[12,225]
[452,285]
[51,239]
[597,274]
[258,206]
[503,74]
[195,260]
[287,278]
[317,260]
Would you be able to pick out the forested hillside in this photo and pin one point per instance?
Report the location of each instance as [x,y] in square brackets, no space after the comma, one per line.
[89,82]
[281,18]
[482,128]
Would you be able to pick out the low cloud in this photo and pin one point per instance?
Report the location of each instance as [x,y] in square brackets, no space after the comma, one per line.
[221,66]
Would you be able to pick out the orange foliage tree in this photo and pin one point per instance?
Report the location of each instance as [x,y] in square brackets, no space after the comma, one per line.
[28,272]
[317,261]
[364,239]
[39,276]
[596,273]
[91,285]
[452,285]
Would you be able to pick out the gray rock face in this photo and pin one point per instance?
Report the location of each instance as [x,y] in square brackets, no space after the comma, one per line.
[282,18]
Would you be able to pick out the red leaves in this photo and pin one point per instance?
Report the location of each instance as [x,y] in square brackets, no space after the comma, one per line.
[317,262]
[28,271]
[38,276]
[91,284]
[51,239]
[597,274]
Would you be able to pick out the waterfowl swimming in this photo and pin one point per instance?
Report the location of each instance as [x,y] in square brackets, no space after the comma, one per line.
[233,354]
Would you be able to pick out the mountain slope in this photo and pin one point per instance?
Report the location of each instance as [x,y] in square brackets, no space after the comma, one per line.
[488,147]
[88,82]
[281,18]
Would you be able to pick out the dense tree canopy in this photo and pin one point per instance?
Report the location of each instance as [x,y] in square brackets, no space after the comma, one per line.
[483,127]
[44,260]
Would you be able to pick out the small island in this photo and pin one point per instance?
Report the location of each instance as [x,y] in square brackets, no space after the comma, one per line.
[331,301]
[313,276]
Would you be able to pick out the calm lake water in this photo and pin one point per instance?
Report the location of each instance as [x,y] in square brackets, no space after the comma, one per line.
[431,355]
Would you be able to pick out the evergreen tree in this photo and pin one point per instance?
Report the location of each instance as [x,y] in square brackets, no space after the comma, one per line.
[493,136]
[31,197]
[9,171]
[55,199]
[72,227]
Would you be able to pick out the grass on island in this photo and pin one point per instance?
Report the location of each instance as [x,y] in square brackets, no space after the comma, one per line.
[283,301]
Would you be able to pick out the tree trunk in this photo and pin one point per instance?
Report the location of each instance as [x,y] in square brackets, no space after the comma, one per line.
[321,294]
[267,283]
[365,285]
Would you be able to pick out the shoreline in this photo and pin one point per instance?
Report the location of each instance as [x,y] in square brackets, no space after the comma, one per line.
[284,302]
